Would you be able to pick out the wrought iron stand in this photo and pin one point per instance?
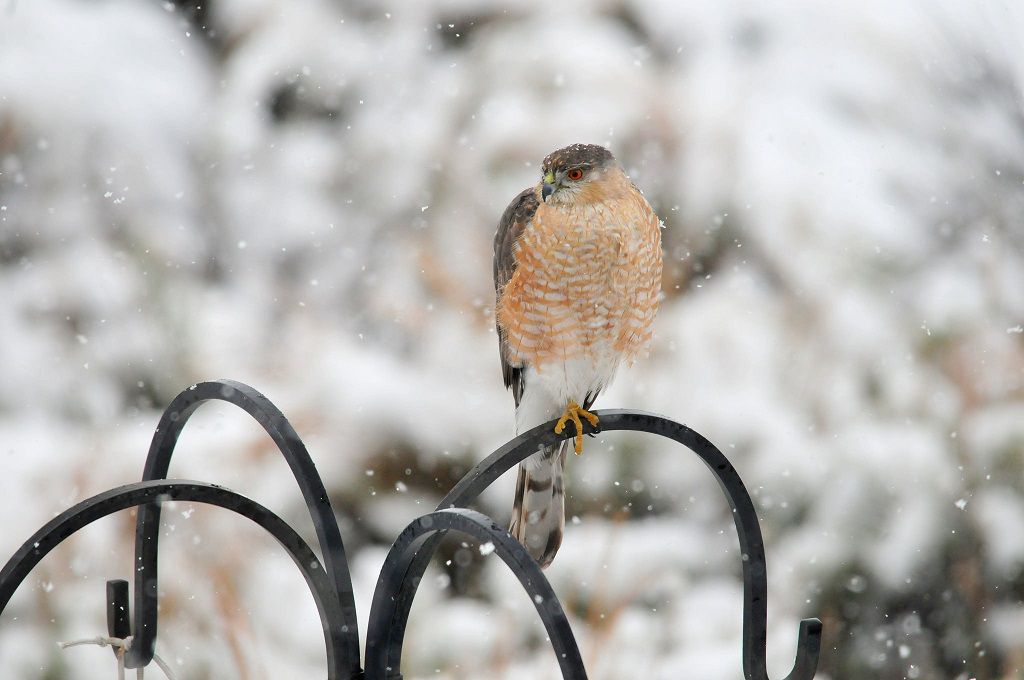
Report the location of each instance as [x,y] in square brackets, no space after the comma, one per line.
[328,578]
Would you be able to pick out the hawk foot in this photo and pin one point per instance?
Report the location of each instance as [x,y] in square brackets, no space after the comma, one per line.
[573,411]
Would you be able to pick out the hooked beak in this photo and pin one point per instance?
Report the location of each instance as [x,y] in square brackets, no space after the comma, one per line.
[547,185]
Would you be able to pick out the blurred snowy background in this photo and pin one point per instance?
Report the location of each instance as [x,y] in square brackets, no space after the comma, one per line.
[302,195]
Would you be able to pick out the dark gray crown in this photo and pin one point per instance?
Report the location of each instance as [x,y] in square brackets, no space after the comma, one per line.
[578,155]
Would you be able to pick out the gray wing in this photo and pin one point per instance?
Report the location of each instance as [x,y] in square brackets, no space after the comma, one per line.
[517,215]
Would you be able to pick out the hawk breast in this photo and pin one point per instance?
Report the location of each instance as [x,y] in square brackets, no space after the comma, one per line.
[585,283]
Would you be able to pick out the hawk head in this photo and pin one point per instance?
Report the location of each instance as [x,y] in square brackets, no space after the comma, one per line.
[578,174]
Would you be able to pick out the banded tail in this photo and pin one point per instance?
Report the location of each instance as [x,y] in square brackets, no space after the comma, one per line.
[538,514]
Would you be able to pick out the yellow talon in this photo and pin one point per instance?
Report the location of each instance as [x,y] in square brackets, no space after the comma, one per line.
[573,411]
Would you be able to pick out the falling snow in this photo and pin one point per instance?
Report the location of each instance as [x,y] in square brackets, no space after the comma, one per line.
[303,195]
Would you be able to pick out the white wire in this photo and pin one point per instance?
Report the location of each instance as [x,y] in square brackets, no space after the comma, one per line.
[121,645]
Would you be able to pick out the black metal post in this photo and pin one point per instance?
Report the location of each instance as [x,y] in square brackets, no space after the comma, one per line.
[755,585]
[147,527]
[108,502]
[329,580]
[119,622]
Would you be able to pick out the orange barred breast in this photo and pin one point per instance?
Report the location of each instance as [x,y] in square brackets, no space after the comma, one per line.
[587,283]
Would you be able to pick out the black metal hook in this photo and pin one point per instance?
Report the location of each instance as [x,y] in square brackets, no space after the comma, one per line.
[755,584]
[329,580]
[147,526]
[388,621]
[71,520]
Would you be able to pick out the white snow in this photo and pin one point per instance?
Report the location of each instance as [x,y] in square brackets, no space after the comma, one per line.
[305,202]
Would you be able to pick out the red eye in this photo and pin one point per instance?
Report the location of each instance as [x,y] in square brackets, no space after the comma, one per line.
[575,174]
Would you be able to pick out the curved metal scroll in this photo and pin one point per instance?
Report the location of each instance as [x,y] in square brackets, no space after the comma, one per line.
[71,520]
[330,581]
[294,451]
[755,587]
[388,620]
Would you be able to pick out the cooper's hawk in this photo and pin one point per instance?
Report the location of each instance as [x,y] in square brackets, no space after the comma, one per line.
[577,270]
